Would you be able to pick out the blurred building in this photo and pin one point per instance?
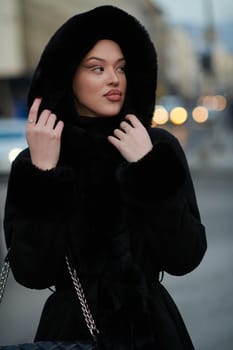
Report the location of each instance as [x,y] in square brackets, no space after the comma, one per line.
[182,64]
[223,63]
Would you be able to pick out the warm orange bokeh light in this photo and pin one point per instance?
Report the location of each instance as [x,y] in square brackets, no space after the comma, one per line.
[200,114]
[214,103]
[178,115]
[160,116]
[221,102]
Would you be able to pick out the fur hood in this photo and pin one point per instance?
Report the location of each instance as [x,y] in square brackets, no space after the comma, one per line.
[52,78]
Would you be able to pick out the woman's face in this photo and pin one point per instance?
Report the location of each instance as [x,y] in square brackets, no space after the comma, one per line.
[99,83]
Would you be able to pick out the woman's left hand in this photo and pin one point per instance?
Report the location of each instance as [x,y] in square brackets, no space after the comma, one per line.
[131,139]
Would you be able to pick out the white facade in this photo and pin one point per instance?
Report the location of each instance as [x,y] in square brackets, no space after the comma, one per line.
[12,61]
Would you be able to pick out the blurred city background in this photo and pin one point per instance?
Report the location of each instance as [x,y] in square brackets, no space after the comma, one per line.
[194,102]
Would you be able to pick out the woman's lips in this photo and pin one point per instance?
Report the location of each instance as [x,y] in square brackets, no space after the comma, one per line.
[113,95]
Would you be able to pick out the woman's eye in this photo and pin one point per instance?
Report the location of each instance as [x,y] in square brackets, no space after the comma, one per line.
[121,69]
[98,69]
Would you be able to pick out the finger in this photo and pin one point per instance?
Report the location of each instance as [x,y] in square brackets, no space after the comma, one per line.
[43,119]
[51,121]
[119,134]
[126,127]
[114,141]
[133,120]
[32,116]
[59,127]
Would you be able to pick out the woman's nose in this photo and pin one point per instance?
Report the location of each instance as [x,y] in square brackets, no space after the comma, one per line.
[113,77]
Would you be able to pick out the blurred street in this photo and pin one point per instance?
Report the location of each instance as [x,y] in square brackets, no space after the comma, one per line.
[204,297]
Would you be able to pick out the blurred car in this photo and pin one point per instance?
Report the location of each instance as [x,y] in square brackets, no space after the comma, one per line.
[12,141]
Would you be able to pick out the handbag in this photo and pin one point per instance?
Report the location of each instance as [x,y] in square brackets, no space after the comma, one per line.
[92,344]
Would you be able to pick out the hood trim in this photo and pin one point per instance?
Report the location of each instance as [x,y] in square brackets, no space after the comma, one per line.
[52,79]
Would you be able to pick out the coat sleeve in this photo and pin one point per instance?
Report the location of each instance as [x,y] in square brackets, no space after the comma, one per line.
[36,210]
[160,185]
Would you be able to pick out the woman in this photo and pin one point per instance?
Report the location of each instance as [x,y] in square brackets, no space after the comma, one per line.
[99,183]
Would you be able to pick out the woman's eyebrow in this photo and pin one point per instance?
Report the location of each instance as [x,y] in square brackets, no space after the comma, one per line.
[102,59]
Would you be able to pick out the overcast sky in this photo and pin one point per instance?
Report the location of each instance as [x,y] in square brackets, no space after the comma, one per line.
[196,10]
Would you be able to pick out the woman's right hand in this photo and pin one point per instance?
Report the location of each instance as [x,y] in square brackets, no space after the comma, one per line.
[43,137]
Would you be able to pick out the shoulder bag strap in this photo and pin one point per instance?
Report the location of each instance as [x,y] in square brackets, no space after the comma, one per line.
[91,325]
[4,276]
[78,288]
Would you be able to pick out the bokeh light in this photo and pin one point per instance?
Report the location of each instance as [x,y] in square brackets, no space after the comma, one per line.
[200,114]
[214,103]
[13,153]
[178,115]
[160,116]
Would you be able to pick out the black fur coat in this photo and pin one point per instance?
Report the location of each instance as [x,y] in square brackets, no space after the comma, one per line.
[123,223]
